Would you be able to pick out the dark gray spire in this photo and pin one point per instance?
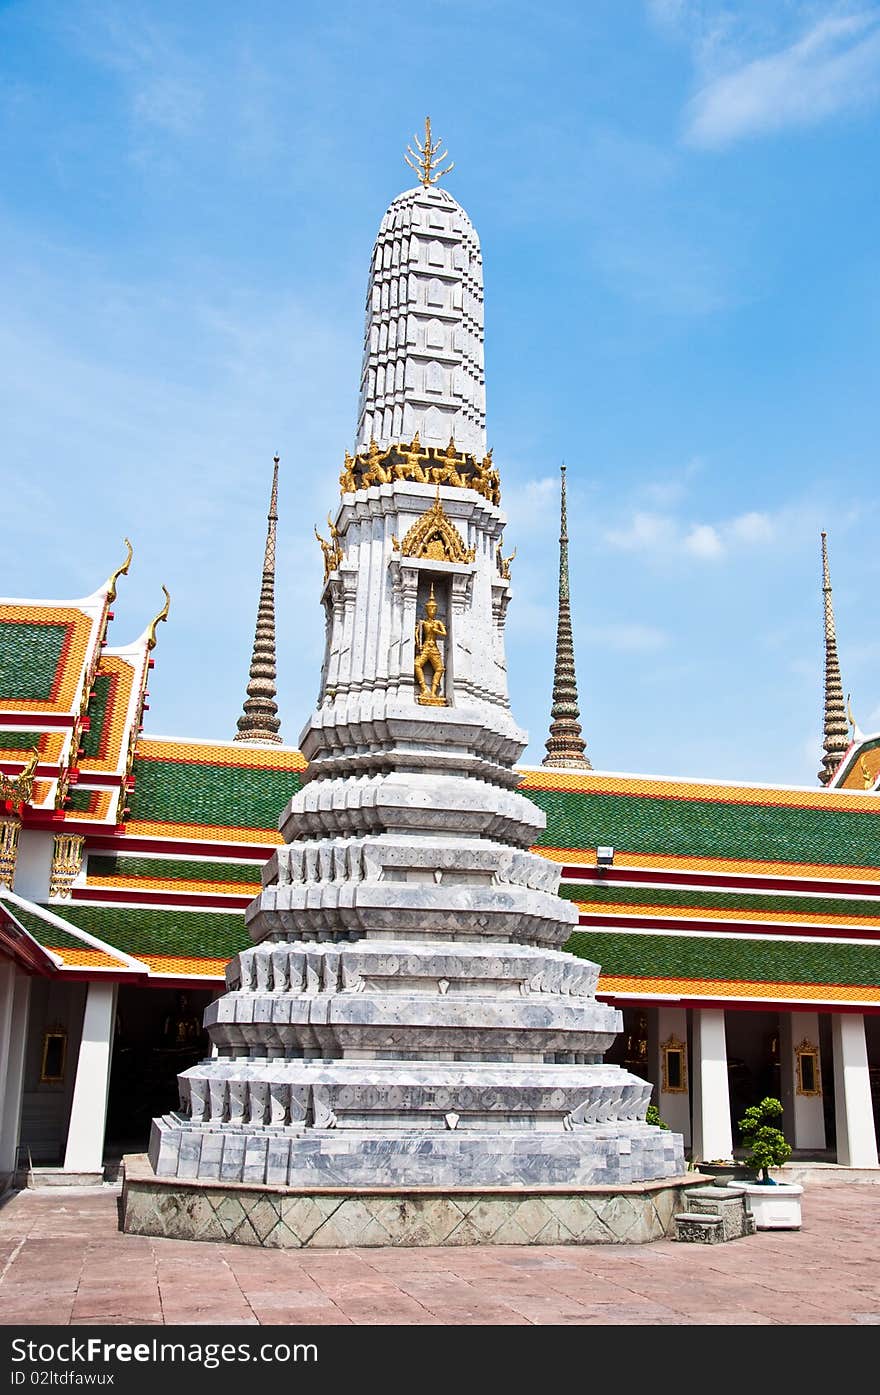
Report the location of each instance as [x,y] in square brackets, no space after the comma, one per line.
[565,745]
[836,729]
[259,721]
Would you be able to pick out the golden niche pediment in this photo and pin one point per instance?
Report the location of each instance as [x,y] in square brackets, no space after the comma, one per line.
[435,537]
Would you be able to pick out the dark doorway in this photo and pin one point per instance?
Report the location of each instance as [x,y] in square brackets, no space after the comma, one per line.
[159,1033]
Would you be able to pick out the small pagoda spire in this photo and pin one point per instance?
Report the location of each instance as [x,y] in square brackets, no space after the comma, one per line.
[836,738]
[565,745]
[259,721]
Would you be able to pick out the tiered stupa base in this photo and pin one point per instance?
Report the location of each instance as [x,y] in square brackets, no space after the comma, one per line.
[400,1123]
[327,1217]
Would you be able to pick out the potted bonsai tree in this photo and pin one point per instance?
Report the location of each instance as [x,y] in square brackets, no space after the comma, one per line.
[763,1138]
[779,1208]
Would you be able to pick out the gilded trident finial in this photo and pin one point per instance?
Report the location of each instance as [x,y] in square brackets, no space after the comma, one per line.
[426,161]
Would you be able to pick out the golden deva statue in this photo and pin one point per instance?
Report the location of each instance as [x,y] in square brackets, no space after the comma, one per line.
[428,631]
[447,471]
[348,479]
[411,468]
[332,550]
[375,473]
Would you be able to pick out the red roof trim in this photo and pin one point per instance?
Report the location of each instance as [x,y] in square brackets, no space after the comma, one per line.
[759,928]
[237,852]
[718,880]
[171,899]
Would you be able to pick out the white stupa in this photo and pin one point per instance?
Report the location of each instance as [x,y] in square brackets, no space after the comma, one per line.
[407,1015]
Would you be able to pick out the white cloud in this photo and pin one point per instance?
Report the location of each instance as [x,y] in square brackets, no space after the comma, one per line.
[835,66]
[648,532]
[663,534]
[703,541]
[752,528]
[628,638]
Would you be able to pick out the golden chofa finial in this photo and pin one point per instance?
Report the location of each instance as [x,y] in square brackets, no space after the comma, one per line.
[163,615]
[426,161]
[120,571]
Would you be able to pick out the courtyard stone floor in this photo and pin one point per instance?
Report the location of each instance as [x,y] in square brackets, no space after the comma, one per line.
[63,1260]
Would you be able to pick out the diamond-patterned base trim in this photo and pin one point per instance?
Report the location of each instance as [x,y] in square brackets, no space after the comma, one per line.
[281,1219]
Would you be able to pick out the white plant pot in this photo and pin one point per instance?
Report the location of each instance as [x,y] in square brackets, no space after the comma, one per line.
[774,1207]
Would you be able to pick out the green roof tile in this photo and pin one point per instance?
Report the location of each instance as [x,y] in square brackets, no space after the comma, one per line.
[19,740]
[770,904]
[175,869]
[706,828]
[214,794]
[147,930]
[720,957]
[29,658]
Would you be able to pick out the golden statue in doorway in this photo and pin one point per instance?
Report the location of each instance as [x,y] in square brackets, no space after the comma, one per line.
[428,631]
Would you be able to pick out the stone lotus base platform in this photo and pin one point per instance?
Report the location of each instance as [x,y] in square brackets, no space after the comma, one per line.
[341,1218]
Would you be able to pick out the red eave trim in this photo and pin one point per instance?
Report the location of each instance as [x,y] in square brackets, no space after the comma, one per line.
[623,1000]
[172,900]
[758,928]
[33,959]
[120,842]
[721,881]
[37,720]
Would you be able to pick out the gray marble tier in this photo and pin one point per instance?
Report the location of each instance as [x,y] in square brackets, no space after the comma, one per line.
[302,1123]
[430,1001]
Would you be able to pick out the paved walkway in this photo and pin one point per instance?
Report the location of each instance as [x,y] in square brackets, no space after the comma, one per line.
[63,1260]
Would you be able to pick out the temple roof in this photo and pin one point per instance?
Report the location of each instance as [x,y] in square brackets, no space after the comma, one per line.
[715,891]
[71,700]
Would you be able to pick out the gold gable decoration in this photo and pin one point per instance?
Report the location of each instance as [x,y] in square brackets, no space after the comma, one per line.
[16,791]
[435,537]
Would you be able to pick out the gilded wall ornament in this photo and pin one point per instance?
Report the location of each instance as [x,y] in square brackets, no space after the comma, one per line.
[9,831]
[809,1076]
[67,857]
[428,630]
[673,1056]
[435,537]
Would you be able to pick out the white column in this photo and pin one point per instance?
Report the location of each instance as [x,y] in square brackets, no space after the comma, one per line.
[712,1135]
[853,1112]
[12,1059]
[88,1112]
[674,1105]
[803,1120]
[7,1001]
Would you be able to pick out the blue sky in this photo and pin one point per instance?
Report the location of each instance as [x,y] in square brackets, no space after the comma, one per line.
[678,206]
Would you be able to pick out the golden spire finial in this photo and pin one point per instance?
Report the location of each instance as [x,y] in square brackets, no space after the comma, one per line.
[163,615]
[426,161]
